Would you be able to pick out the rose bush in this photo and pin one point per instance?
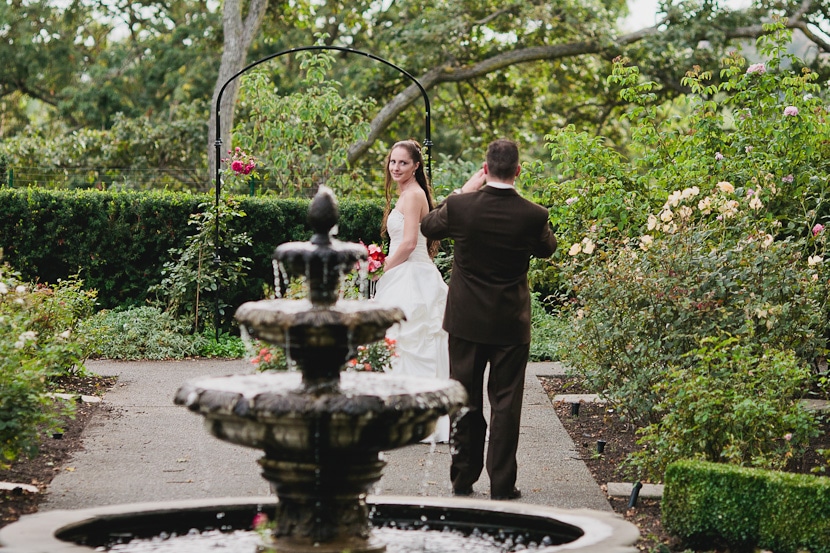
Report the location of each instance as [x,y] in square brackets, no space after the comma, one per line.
[374,357]
[38,344]
[712,230]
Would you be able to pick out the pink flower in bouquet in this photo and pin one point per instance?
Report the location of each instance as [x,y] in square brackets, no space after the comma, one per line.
[376,259]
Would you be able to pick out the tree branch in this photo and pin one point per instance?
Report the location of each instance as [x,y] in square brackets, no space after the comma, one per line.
[804,27]
[450,73]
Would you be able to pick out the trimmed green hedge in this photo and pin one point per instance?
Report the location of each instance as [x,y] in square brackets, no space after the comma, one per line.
[118,241]
[711,504]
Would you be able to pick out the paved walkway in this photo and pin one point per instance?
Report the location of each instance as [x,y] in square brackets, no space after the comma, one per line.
[141,447]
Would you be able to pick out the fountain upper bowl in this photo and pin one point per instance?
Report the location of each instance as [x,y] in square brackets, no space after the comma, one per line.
[294,323]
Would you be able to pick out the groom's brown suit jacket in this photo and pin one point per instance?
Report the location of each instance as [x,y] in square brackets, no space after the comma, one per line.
[496,231]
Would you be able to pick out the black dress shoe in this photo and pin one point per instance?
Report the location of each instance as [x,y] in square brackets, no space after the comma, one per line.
[463,492]
[515,494]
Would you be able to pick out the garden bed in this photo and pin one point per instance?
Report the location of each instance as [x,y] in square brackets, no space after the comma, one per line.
[599,422]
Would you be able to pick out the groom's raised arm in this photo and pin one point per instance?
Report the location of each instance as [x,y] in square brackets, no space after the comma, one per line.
[547,242]
[435,224]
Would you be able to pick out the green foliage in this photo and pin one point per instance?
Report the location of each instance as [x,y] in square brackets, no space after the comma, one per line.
[449,174]
[707,504]
[140,333]
[798,517]
[120,241]
[117,241]
[638,312]
[710,505]
[730,250]
[302,139]
[226,346]
[545,327]
[598,193]
[132,154]
[66,68]
[732,404]
[201,267]
[268,358]
[734,247]
[39,342]
[374,357]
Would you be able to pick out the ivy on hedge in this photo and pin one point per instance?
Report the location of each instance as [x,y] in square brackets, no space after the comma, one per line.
[118,241]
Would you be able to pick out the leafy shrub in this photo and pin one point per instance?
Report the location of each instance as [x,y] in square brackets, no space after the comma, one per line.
[194,270]
[269,358]
[140,333]
[735,403]
[119,241]
[734,249]
[641,310]
[302,138]
[225,346]
[709,505]
[38,342]
[374,357]
[545,327]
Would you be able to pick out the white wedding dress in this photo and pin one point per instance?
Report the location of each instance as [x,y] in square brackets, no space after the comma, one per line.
[417,288]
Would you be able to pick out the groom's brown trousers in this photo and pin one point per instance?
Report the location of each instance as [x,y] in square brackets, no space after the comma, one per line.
[505,388]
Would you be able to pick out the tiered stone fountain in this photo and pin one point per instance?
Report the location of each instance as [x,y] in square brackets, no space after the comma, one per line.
[322,431]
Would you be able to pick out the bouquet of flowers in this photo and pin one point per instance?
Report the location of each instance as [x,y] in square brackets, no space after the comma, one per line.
[374,357]
[376,259]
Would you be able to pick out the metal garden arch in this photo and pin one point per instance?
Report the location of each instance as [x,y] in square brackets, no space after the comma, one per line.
[218,141]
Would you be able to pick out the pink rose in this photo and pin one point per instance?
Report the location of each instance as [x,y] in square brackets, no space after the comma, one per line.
[817,229]
[759,68]
[790,111]
[237,166]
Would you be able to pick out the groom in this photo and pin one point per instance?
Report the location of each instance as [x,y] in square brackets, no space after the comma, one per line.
[487,316]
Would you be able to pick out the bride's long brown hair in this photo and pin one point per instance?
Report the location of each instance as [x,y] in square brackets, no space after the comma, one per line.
[414,150]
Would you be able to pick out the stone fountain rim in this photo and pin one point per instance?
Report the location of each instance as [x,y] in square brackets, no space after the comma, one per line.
[36,533]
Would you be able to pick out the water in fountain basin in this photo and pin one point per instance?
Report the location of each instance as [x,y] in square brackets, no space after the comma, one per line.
[397,541]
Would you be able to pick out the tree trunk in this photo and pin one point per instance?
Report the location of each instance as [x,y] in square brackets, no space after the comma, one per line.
[238,35]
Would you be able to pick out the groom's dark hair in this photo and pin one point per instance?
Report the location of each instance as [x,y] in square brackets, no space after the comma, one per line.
[503,159]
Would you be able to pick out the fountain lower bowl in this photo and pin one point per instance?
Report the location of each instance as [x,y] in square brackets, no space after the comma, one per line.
[82,531]
[362,412]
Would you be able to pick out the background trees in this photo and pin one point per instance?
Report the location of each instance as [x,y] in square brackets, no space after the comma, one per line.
[491,69]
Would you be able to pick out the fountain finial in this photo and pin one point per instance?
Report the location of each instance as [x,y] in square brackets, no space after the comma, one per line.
[323,214]
[324,259]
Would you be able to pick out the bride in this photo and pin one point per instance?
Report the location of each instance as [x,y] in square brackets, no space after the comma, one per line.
[410,279]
